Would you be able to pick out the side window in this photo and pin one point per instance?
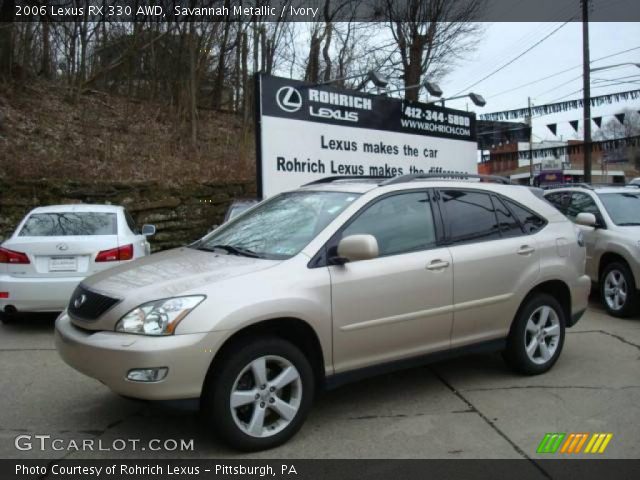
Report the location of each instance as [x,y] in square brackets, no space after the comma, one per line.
[401,223]
[581,203]
[560,200]
[131,223]
[470,216]
[531,223]
[507,222]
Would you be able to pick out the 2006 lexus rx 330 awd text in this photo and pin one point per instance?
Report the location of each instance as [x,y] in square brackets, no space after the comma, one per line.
[332,282]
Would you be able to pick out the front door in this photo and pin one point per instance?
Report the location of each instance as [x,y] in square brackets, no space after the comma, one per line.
[399,304]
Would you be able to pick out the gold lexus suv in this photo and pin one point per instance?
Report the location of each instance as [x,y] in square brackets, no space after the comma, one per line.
[340,279]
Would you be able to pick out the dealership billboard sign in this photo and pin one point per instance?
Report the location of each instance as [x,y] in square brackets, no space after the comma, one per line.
[306,132]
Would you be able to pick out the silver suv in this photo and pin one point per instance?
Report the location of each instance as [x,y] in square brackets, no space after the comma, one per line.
[612,235]
[335,281]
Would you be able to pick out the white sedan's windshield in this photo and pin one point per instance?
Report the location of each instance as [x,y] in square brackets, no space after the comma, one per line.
[623,208]
[281,226]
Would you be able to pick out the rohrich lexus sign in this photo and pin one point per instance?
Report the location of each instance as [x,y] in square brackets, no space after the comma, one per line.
[306,132]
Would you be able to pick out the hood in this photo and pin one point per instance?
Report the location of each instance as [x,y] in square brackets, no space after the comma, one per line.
[173,272]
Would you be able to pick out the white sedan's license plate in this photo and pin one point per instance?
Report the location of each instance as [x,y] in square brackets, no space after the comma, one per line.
[63,264]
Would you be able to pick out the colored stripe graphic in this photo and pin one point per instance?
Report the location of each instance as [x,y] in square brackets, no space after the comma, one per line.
[574,443]
[550,443]
[598,443]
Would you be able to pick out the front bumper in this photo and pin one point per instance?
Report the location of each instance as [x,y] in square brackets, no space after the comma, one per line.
[37,294]
[109,356]
[579,299]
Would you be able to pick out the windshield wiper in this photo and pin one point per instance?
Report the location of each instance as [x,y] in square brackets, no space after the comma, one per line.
[233,250]
[628,224]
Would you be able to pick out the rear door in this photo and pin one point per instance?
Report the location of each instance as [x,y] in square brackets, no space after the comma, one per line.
[64,244]
[492,259]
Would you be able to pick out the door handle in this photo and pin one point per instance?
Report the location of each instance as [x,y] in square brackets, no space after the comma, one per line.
[437,265]
[526,250]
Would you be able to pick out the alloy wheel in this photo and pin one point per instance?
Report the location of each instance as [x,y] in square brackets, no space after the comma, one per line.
[266,396]
[542,334]
[615,290]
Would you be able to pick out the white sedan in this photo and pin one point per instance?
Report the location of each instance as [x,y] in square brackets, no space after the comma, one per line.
[55,247]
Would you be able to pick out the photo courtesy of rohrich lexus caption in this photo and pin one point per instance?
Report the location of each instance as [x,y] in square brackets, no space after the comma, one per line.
[319,239]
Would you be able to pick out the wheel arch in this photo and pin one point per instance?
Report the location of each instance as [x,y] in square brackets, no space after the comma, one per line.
[294,330]
[557,289]
[610,257]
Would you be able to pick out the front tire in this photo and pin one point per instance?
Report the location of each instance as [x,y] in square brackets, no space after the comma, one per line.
[537,335]
[259,394]
[618,290]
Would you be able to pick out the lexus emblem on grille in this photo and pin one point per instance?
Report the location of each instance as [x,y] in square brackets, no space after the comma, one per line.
[289,99]
[79,301]
[62,247]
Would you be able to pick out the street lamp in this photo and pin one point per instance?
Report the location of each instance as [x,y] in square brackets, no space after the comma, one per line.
[378,80]
[476,98]
[432,88]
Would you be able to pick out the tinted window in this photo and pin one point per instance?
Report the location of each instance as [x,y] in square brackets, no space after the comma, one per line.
[131,223]
[470,215]
[69,223]
[581,202]
[530,222]
[507,222]
[401,223]
[560,200]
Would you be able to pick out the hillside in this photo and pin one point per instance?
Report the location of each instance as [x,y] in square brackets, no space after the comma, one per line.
[47,132]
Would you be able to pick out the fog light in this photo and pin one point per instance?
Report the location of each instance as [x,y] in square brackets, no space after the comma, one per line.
[147,374]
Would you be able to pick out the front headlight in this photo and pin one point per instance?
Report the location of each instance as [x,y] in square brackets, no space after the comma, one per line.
[159,317]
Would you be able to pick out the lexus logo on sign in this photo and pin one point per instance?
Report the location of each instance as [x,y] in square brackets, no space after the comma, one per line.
[79,301]
[62,247]
[289,99]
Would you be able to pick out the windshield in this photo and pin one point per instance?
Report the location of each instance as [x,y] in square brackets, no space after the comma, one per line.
[281,226]
[69,224]
[623,207]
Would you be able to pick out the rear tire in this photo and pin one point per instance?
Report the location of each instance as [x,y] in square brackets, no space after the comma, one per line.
[6,318]
[618,290]
[258,394]
[537,335]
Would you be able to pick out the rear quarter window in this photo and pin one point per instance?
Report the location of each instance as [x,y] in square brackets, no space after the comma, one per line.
[54,224]
[531,223]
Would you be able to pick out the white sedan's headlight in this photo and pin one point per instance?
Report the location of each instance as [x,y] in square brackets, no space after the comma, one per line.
[159,317]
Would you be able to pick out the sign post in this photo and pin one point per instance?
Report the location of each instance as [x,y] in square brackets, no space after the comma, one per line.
[305,132]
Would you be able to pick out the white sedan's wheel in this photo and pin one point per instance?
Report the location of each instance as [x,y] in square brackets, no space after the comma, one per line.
[266,396]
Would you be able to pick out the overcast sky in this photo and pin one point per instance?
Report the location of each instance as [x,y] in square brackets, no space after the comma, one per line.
[502,42]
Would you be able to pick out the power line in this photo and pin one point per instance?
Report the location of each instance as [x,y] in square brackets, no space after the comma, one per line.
[533,82]
[512,60]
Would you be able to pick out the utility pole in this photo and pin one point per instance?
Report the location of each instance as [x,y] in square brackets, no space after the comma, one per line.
[530,144]
[586,82]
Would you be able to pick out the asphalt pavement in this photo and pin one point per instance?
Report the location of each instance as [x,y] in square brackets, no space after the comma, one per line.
[472,407]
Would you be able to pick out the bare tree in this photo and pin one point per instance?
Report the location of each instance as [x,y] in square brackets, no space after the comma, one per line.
[431,35]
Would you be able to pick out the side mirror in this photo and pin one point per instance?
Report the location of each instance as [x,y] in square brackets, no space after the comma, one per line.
[358,247]
[148,230]
[587,219]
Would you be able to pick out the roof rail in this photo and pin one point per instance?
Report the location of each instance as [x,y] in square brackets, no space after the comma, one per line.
[345,177]
[566,185]
[445,175]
